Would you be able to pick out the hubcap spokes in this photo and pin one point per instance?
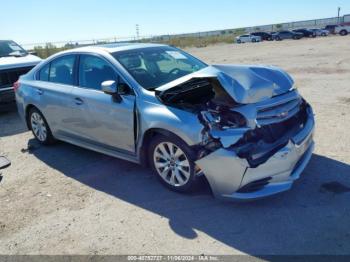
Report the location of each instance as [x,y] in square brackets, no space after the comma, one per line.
[171,164]
[38,126]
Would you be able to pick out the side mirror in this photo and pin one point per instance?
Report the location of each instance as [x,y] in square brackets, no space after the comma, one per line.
[109,87]
[123,89]
[33,53]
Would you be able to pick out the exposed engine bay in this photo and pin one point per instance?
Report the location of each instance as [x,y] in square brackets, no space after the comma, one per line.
[254,131]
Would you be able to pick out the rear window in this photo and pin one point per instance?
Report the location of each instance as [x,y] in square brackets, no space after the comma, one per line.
[44,73]
[60,70]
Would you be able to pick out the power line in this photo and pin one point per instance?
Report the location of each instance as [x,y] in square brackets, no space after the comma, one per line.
[137,32]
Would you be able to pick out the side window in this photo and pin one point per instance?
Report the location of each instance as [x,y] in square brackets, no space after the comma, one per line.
[61,70]
[44,73]
[93,71]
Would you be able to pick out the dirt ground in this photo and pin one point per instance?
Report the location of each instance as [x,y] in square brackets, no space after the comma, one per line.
[67,200]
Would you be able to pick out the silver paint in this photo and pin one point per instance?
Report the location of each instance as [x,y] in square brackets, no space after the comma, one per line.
[99,123]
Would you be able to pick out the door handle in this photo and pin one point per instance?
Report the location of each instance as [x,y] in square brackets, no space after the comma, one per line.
[78,101]
[39,91]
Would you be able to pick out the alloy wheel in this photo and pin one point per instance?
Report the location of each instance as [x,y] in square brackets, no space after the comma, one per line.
[38,126]
[171,164]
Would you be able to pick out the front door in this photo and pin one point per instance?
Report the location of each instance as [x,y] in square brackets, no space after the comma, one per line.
[100,119]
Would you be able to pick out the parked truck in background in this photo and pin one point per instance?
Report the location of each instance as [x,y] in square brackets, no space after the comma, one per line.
[14,62]
[342,30]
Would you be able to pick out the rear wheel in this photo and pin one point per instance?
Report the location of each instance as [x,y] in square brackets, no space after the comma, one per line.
[278,38]
[343,32]
[171,160]
[39,127]
[253,40]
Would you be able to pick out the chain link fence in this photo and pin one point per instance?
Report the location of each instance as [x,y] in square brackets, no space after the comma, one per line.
[199,39]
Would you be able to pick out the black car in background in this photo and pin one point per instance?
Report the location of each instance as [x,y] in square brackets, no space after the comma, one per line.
[264,36]
[305,32]
[279,36]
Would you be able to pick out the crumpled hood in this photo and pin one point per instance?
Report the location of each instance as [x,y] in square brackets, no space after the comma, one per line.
[245,84]
[9,62]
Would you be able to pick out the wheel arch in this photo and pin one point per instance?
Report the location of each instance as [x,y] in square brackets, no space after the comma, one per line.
[26,114]
[147,138]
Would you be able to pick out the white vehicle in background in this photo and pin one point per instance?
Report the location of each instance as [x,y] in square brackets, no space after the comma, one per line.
[14,62]
[342,30]
[320,32]
[248,39]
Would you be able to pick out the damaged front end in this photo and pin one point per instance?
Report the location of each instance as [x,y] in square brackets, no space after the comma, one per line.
[257,134]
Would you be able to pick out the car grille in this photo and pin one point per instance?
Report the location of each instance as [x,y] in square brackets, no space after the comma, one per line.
[9,76]
[278,111]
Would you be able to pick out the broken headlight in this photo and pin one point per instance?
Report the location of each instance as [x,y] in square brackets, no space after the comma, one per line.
[223,119]
[232,119]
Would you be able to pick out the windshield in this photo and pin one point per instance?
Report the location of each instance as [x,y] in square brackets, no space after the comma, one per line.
[155,66]
[10,48]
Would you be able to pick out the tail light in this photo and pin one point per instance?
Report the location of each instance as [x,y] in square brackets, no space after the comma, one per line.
[16,86]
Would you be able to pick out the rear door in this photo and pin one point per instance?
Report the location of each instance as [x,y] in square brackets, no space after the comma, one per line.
[245,38]
[52,92]
[101,119]
[284,35]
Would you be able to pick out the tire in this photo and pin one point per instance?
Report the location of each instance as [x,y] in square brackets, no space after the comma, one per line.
[254,40]
[343,32]
[165,155]
[278,38]
[323,34]
[239,41]
[39,127]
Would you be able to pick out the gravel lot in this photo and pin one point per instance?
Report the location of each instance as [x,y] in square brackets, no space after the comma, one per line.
[67,200]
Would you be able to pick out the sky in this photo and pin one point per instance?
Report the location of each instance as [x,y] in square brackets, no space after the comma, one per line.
[39,21]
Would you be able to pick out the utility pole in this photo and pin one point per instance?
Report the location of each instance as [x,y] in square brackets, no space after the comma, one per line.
[137,32]
[339,15]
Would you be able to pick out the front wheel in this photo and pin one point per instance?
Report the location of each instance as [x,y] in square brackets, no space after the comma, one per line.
[171,161]
[39,127]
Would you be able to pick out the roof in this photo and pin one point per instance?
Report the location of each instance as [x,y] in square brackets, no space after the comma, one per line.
[111,48]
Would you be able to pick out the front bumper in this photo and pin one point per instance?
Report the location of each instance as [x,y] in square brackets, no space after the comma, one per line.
[231,177]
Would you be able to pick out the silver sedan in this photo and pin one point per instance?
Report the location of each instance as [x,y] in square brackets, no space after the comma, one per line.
[246,129]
